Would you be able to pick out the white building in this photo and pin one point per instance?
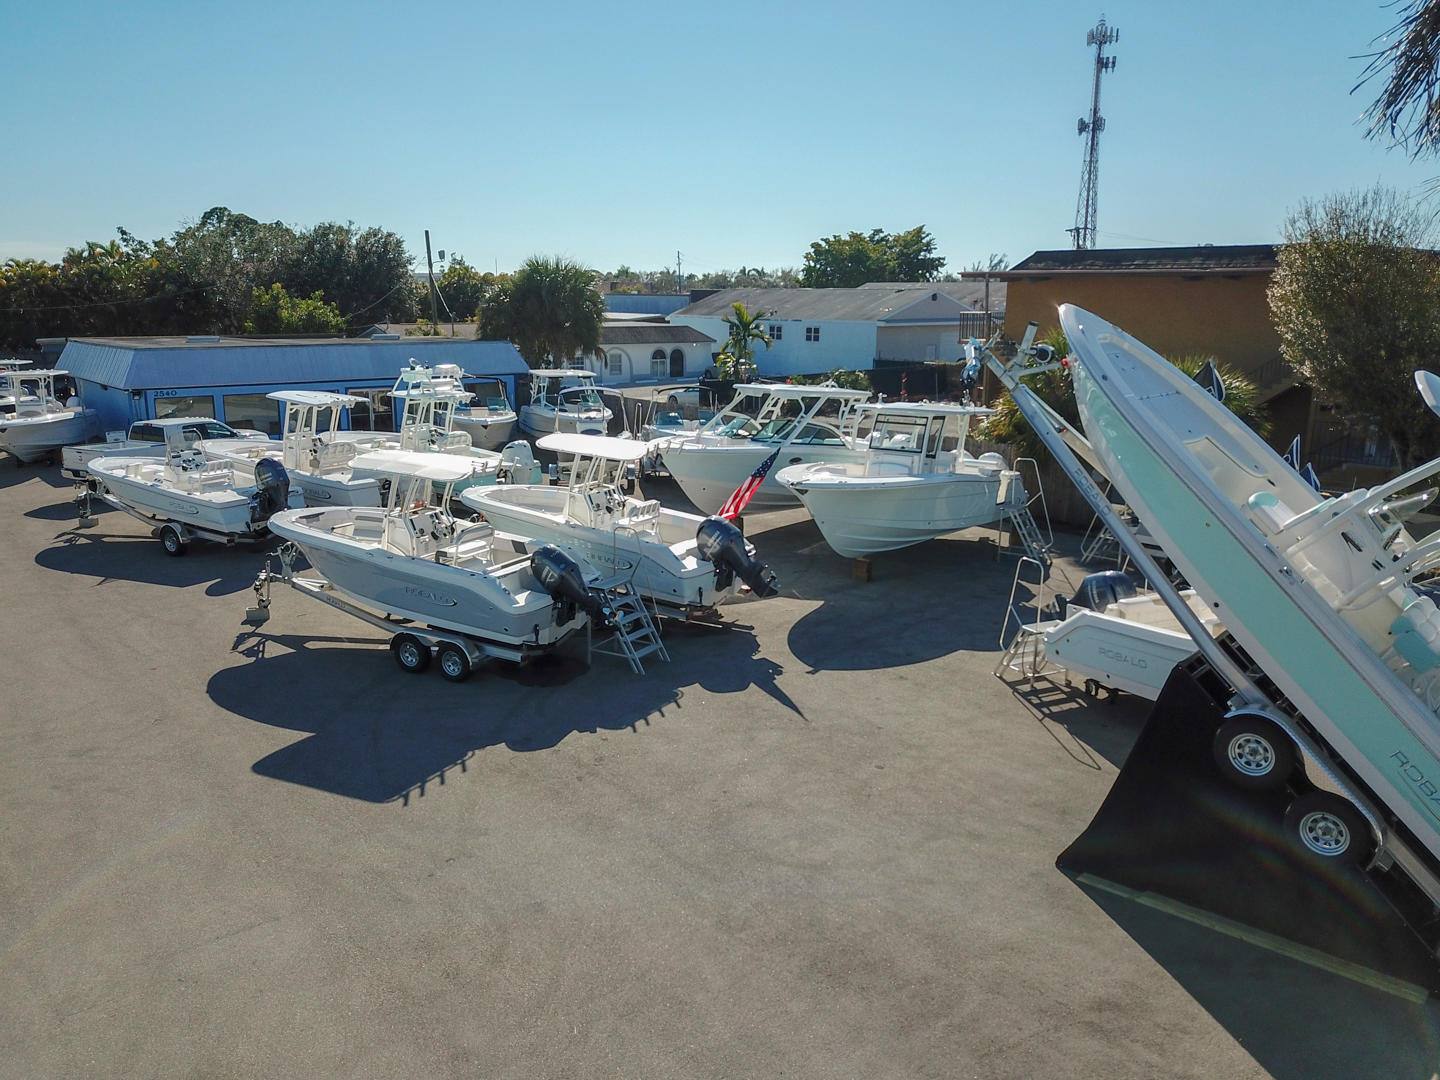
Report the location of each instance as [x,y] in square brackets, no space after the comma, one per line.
[648,349]
[819,330]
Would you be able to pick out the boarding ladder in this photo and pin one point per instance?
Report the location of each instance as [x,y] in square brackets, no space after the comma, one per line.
[1017,510]
[634,630]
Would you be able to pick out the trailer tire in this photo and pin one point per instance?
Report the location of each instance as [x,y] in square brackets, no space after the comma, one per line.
[410,653]
[1329,828]
[1254,753]
[454,662]
[172,541]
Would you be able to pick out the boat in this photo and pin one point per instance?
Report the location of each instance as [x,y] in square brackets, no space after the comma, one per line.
[184,495]
[413,560]
[316,452]
[41,422]
[486,414]
[564,399]
[915,482]
[427,419]
[1322,595]
[10,391]
[804,423]
[682,563]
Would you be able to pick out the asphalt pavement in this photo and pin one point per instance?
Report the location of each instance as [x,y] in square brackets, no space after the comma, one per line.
[820,842]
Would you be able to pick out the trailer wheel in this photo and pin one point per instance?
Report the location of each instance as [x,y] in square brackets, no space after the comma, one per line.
[1253,752]
[454,662]
[412,654]
[1329,827]
[171,540]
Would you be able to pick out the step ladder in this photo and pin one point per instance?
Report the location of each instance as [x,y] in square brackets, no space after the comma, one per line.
[635,633]
[1029,533]
[1024,656]
[1034,544]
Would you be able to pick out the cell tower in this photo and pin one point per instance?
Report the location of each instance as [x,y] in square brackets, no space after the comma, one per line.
[1084,230]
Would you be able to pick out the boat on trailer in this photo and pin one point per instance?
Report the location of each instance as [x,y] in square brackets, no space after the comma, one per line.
[39,423]
[915,482]
[682,563]
[469,590]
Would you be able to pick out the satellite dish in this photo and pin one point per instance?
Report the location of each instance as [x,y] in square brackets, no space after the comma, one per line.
[1429,385]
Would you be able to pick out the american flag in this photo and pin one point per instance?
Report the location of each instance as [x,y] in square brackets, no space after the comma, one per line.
[736,502]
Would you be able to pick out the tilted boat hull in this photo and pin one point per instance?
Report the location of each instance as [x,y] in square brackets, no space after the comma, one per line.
[1146,425]
[710,472]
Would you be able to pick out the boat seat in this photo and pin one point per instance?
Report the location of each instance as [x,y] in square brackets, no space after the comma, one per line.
[454,442]
[1267,511]
[1416,632]
[643,516]
[335,456]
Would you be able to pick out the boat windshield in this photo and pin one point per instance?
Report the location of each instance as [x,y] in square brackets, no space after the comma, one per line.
[580,397]
[898,433]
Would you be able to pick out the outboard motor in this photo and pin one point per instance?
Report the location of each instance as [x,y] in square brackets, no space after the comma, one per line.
[721,543]
[560,576]
[272,490]
[516,460]
[1099,591]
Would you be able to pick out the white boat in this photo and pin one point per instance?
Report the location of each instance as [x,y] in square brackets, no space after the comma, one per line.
[564,399]
[1320,593]
[184,495]
[804,423]
[915,482]
[10,392]
[681,562]
[40,423]
[413,560]
[486,414]
[314,449]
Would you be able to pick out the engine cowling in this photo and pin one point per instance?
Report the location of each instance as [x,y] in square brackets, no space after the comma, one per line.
[272,489]
[560,575]
[1098,591]
[721,543]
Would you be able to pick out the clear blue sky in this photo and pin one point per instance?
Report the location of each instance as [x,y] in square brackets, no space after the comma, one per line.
[736,133]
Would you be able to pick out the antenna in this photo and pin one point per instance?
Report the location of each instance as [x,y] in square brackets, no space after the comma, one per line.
[1084,230]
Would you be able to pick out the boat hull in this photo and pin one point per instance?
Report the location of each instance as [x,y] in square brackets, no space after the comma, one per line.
[1338,681]
[502,603]
[140,485]
[31,438]
[665,567]
[539,420]
[710,471]
[487,432]
[863,514]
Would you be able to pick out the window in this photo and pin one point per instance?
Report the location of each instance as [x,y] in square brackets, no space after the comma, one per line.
[146,433]
[812,333]
[489,394]
[253,411]
[617,362]
[777,331]
[375,411]
[203,405]
[657,363]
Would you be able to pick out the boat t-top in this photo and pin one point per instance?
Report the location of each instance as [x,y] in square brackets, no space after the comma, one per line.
[485,413]
[804,423]
[680,562]
[413,560]
[10,391]
[184,495]
[316,453]
[564,399]
[915,481]
[1325,596]
[41,423]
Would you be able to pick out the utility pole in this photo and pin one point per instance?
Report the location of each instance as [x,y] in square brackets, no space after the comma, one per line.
[679,278]
[430,273]
[1084,230]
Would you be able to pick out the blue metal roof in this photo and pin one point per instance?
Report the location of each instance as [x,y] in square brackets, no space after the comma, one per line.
[175,363]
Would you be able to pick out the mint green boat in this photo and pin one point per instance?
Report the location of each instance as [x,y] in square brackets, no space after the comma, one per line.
[1340,643]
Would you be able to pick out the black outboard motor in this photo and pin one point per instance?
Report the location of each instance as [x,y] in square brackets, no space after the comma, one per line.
[721,543]
[272,490]
[561,577]
[1099,591]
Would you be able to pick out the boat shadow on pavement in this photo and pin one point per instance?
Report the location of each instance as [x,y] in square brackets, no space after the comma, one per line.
[379,735]
[1308,966]
[108,556]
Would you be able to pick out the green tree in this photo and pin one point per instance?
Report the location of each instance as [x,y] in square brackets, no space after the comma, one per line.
[745,330]
[275,311]
[550,309]
[1356,301]
[462,288]
[366,273]
[845,262]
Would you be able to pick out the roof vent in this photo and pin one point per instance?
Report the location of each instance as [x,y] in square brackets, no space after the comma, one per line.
[202,339]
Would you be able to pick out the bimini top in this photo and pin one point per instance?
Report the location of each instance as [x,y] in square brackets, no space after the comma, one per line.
[315,399]
[593,446]
[441,468]
[793,390]
[561,373]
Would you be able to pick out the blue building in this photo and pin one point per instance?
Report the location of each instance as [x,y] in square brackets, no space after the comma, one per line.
[149,378]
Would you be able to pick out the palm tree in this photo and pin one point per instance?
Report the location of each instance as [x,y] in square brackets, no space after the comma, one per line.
[550,309]
[745,330]
[1408,108]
